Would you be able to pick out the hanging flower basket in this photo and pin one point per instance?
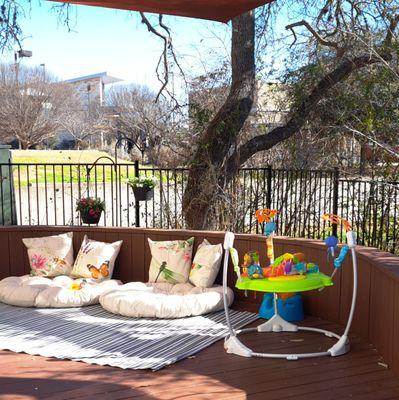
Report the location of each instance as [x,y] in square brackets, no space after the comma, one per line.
[143,193]
[90,218]
[143,187]
[90,210]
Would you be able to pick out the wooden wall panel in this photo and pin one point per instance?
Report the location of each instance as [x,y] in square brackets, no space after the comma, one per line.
[395,350]
[5,255]
[137,264]
[124,267]
[18,254]
[360,323]
[382,314]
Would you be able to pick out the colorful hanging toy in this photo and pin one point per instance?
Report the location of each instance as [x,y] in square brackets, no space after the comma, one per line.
[331,242]
[265,215]
[251,266]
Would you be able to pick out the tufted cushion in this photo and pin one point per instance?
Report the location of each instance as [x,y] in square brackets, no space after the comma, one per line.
[163,300]
[60,292]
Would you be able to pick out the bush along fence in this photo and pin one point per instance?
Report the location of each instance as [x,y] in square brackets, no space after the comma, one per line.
[46,194]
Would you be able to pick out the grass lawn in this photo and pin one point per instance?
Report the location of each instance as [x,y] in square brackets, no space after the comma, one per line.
[41,174]
[59,156]
[32,174]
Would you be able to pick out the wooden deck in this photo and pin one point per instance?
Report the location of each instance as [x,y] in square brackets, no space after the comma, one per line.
[212,374]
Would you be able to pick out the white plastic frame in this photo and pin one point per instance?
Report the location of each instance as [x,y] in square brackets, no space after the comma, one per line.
[233,344]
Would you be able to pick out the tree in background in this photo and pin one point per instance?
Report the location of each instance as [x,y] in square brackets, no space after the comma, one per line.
[152,124]
[86,127]
[336,29]
[31,105]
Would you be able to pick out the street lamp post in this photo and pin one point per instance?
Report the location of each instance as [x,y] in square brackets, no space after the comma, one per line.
[17,55]
[43,65]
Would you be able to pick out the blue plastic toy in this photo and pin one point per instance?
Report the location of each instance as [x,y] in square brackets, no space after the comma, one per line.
[340,259]
[290,309]
[255,271]
[270,227]
[331,242]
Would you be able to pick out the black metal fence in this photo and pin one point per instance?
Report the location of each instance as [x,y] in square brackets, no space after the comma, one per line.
[46,194]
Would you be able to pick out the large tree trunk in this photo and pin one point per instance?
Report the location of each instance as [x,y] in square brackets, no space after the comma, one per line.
[208,170]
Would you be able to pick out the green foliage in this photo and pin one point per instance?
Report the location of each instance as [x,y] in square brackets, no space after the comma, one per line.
[143,181]
[85,204]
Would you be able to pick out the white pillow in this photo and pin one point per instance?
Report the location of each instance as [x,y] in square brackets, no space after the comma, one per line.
[50,255]
[175,256]
[96,259]
[206,264]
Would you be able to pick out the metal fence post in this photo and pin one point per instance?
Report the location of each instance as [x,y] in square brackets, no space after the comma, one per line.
[136,202]
[269,187]
[335,199]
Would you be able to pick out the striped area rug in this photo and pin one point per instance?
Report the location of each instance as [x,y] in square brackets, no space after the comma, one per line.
[95,336]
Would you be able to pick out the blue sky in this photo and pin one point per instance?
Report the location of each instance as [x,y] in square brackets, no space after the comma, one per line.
[113,41]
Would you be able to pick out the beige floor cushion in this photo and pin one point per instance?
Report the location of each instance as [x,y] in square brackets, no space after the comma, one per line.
[60,292]
[163,300]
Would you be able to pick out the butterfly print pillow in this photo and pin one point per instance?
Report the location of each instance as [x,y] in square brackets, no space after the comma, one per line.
[96,260]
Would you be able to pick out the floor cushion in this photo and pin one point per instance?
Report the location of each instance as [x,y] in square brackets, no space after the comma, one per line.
[163,300]
[60,292]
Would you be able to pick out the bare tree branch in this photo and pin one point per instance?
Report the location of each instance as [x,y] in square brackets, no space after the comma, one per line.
[163,59]
[315,34]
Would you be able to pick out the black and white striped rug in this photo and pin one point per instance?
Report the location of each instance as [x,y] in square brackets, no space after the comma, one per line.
[95,336]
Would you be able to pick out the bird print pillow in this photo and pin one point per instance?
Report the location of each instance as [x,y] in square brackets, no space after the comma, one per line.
[171,260]
[50,255]
[96,260]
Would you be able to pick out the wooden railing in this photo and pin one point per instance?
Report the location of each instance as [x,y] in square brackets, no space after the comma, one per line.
[377,312]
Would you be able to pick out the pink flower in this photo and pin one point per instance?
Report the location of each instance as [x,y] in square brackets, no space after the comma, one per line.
[38,261]
[187,256]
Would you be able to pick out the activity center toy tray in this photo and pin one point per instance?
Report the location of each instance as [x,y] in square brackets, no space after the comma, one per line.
[286,284]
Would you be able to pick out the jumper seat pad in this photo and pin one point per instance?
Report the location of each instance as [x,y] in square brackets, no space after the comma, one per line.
[60,292]
[164,300]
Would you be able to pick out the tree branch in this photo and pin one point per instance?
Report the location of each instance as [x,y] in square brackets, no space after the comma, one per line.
[316,35]
[300,116]
[163,59]
[394,21]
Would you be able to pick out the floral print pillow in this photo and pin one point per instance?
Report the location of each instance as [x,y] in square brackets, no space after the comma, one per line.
[206,264]
[96,260]
[171,260]
[51,255]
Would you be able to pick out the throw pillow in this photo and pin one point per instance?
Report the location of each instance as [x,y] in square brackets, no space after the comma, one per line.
[206,264]
[171,260]
[50,255]
[96,259]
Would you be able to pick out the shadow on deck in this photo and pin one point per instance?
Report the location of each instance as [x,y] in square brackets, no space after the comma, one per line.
[361,374]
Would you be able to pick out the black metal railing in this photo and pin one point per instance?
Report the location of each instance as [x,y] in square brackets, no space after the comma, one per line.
[46,194]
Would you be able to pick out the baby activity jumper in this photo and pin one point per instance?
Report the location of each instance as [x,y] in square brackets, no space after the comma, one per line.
[287,275]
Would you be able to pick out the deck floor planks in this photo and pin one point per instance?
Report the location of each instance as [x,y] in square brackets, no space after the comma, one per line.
[210,374]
